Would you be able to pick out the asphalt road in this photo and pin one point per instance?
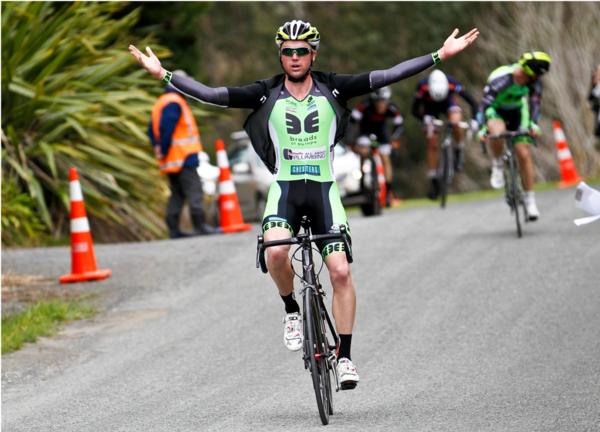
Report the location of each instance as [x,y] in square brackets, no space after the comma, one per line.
[460,327]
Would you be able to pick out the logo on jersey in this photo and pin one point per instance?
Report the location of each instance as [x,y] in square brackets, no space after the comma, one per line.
[305,169]
[294,125]
[300,155]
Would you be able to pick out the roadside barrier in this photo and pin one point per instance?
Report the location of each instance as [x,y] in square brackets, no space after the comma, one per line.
[230,213]
[83,260]
[568,172]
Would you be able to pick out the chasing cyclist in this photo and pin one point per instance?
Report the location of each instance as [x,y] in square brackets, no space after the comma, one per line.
[297,118]
[434,96]
[511,101]
[371,117]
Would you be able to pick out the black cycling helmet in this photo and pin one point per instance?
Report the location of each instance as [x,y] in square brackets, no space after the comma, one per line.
[535,63]
[298,30]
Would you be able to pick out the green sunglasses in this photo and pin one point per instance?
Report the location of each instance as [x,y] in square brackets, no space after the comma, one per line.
[289,52]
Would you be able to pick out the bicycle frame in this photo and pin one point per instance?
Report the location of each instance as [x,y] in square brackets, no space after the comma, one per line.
[445,170]
[320,352]
[512,187]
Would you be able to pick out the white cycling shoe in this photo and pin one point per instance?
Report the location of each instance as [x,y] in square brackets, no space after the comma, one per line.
[292,331]
[532,211]
[497,177]
[347,374]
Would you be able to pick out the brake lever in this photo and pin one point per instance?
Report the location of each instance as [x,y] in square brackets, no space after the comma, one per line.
[347,247]
[260,255]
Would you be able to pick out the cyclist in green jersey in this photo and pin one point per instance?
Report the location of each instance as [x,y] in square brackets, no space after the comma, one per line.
[297,118]
[511,101]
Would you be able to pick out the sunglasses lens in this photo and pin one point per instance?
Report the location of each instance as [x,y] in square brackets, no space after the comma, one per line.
[289,52]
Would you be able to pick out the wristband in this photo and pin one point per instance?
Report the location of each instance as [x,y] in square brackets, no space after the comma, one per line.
[436,57]
[167,78]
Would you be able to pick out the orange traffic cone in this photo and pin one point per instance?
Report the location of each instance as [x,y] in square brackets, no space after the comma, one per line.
[380,177]
[229,205]
[83,260]
[568,172]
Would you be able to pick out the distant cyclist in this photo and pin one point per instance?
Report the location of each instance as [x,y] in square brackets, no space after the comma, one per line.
[594,99]
[436,95]
[298,117]
[372,117]
[511,101]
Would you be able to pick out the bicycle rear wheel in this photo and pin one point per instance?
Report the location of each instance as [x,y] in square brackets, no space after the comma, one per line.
[316,352]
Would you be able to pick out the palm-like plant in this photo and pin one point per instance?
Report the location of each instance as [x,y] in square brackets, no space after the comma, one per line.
[72,96]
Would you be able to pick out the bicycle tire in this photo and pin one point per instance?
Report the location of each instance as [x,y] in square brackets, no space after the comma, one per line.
[515,195]
[445,174]
[327,351]
[317,362]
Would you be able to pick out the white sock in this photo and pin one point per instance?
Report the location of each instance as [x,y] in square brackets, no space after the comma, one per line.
[431,173]
[497,162]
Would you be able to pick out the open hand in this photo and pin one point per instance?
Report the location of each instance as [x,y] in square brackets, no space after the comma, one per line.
[149,62]
[454,45]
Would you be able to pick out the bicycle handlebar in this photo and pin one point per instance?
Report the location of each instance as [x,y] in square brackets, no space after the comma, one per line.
[508,135]
[262,245]
[439,124]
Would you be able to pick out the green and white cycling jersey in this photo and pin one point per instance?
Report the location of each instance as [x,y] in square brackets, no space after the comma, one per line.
[503,97]
[302,132]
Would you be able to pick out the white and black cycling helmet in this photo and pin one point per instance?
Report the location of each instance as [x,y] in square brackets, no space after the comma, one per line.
[383,93]
[438,85]
[298,30]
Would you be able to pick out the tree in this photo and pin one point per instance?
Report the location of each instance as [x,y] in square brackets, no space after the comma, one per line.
[73,96]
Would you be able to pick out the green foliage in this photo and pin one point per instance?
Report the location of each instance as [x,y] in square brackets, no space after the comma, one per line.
[40,319]
[20,221]
[73,96]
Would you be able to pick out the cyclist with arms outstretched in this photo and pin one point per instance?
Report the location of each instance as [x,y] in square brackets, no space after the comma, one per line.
[436,96]
[511,101]
[297,118]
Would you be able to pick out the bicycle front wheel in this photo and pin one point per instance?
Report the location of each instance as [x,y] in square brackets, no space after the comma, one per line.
[316,352]
[444,178]
[514,195]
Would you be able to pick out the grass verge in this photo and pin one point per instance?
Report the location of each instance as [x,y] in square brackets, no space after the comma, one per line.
[479,195]
[41,319]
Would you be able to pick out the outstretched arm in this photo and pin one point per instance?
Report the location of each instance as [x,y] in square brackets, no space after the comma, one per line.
[355,85]
[451,47]
[190,87]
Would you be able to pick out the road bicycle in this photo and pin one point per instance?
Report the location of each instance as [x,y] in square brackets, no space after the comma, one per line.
[371,197]
[513,193]
[446,160]
[320,338]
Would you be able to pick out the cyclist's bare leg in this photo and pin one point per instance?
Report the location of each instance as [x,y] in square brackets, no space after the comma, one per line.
[455,117]
[496,126]
[387,167]
[278,261]
[525,165]
[432,151]
[344,296]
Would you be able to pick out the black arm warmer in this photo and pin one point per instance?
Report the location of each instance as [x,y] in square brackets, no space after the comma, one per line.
[196,90]
[471,101]
[380,78]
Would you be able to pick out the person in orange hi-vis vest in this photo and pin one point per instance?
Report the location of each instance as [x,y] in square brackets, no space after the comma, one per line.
[176,141]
